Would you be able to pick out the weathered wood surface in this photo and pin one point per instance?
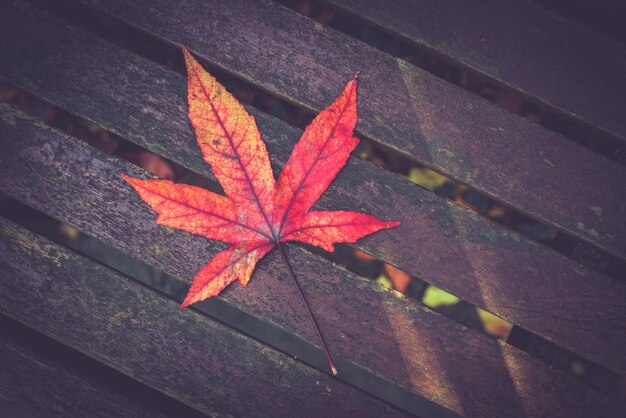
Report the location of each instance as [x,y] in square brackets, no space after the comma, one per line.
[549,59]
[403,107]
[143,334]
[448,246]
[45,384]
[379,330]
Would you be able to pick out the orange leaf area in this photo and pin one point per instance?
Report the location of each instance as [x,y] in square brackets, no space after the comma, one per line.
[399,278]
[257,212]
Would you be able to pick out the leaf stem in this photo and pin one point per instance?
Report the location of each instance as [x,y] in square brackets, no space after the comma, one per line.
[308,309]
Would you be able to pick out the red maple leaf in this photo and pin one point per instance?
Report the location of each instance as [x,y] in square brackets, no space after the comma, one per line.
[258,212]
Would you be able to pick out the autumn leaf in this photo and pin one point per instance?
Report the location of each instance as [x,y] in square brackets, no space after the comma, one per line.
[258,212]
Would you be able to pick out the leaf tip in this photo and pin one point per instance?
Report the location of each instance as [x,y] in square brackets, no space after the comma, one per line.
[189,59]
[188,301]
[128,179]
[133,181]
[334,370]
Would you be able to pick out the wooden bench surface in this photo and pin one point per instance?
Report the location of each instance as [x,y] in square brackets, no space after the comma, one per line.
[31,361]
[403,108]
[551,60]
[197,361]
[429,358]
[483,253]
[395,326]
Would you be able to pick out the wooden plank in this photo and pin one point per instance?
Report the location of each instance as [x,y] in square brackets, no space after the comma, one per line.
[141,333]
[550,60]
[404,108]
[449,246]
[49,380]
[379,330]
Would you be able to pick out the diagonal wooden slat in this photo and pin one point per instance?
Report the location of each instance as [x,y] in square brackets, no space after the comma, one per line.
[531,168]
[551,60]
[144,335]
[380,330]
[448,246]
[45,378]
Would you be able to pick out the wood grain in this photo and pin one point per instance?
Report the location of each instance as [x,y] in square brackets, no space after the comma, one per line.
[422,117]
[551,60]
[377,329]
[143,334]
[48,379]
[483,263]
